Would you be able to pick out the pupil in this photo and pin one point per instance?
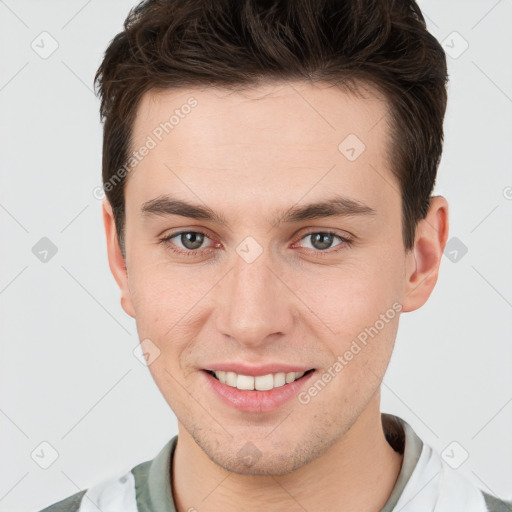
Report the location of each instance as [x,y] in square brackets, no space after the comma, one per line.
[322,240]
[192,240]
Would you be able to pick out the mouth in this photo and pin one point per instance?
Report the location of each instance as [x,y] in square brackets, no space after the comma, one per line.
[258,383]
[256,394]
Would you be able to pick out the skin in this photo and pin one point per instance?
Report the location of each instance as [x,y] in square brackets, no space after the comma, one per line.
[249,155]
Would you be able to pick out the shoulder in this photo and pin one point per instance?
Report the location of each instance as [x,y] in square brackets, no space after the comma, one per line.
[143,484]
[494,504]
[113,495]
[69,504]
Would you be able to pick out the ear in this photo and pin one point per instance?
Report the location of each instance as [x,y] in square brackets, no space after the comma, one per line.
[424,258]
[115,259]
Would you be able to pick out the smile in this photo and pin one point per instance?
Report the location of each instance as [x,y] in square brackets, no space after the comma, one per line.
[256,393]
[258,383]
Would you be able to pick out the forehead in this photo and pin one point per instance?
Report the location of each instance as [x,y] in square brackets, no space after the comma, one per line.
[270,107]
[281,138]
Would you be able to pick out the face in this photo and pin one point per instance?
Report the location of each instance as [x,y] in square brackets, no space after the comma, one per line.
[255,279]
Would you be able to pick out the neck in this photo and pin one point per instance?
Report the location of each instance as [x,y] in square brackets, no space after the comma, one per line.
[356,473]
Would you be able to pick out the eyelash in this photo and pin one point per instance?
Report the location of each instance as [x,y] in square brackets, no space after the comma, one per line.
[344,243]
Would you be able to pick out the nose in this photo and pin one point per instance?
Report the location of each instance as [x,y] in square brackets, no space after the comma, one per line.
[255,305]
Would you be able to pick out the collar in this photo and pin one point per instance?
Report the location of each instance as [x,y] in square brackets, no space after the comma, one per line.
[153,478]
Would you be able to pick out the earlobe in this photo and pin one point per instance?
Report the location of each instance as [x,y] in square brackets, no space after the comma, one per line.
[425,257]
[116,261]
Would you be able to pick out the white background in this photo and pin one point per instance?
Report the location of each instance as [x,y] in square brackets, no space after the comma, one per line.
[68,374]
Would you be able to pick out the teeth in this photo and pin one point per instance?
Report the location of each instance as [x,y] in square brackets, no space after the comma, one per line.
[245,382]
[279,380]
[231,379]
[263,382]
[260,383]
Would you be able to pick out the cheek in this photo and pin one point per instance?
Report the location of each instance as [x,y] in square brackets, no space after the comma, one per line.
[348,298]
[158,297]
[169,302]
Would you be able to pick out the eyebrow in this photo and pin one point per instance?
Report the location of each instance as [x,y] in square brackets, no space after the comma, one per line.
[335,206]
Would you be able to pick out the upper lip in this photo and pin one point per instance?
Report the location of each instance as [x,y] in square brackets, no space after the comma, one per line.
[257,370]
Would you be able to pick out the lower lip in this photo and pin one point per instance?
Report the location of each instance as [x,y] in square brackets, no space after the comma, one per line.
[256,401]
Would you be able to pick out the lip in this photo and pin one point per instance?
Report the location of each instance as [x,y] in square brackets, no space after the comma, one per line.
[255,401]
[256,370]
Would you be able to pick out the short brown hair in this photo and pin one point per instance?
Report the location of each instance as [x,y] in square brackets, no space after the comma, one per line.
[236,43]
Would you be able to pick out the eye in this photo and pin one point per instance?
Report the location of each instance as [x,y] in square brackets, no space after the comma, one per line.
[322,240]
[191,243]
[187,242]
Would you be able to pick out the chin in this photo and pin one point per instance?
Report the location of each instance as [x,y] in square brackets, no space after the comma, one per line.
[276,464]
[263,456]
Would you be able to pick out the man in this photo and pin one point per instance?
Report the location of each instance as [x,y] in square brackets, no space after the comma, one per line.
[268,170]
